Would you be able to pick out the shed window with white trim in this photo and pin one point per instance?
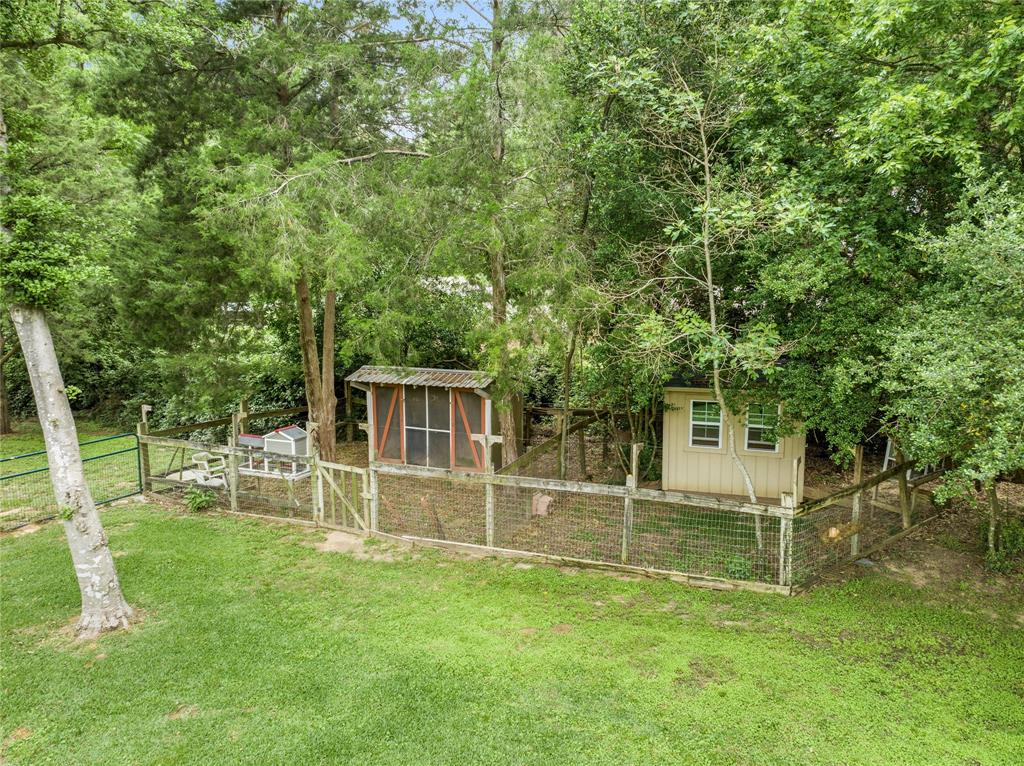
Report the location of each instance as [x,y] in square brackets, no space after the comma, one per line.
[762,423]
[705,424]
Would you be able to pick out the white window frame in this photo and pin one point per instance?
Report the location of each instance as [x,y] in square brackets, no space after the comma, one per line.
[746,433]
[428,429]
[721,424]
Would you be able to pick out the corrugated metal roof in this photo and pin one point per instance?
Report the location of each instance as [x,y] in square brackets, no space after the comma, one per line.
[420,376]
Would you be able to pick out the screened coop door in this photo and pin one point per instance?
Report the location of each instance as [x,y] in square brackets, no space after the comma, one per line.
[387,422]
[428,426]
[468,421]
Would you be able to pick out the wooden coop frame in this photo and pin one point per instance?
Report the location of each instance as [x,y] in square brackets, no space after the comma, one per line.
[427,417]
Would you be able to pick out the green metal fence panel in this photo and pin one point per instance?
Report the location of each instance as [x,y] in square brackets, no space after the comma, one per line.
[112,471]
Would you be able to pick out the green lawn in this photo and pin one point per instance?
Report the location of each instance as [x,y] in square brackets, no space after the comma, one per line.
[28,437]
[257,648]
[26,494]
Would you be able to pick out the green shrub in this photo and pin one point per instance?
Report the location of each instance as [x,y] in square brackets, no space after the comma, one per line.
[198,499]
[1009,545]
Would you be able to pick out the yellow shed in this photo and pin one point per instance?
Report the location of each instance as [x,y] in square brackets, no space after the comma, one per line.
[695,456]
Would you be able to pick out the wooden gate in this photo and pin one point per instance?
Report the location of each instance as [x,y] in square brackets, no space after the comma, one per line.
[343,496]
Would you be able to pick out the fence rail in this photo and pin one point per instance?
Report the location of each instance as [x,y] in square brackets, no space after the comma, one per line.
[112,471]
[698,539]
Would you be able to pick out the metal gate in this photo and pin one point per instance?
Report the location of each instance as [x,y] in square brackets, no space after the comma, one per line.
[112,471]
[343,496]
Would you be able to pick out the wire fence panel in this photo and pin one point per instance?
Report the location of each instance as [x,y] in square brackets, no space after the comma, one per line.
[832,536]
[558,523]
[111,466]
[704,541]
[438,509]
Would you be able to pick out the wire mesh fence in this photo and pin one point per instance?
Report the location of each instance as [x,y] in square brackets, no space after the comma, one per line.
[233,479]
[829,537]
[702,539]
[111,466]
[586,522]
[707,541]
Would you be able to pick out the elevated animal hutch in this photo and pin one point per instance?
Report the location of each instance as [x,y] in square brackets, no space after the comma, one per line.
[263,453]
[426,417]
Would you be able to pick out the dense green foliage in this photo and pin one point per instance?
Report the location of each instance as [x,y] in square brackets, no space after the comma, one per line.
[854,220]
[256,648]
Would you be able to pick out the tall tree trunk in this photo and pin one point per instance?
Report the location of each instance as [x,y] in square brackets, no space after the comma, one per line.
[307,342]
[103,605]
[510,402]
[328,399]
[566,390]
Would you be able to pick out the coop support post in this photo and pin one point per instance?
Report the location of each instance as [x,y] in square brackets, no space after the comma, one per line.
[858,499]
[233,462]
[350,433]
[141,430]
[627,502]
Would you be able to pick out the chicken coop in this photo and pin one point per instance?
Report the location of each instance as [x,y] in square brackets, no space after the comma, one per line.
[427,417]
[262,452]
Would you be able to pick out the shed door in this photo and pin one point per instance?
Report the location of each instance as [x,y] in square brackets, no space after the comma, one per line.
[387,422]
[468,420]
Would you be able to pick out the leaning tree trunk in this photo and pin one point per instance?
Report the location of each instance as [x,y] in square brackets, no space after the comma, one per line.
[328,399]
[706,152]
[103,605]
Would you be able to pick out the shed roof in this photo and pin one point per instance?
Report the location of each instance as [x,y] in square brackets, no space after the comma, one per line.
[420,376]
[292,433]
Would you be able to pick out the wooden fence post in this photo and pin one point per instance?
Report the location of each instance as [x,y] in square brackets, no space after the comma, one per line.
[561,422]
[369,517]
[233,461]
[243,416]
[141,430]
[581,444]
[488,442]
[627,503]
[313,429]
[858,499]
[901,479]
[372,488]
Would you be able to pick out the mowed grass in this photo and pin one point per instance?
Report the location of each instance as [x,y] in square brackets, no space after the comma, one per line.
[256,648]
[111,468]
[28,437]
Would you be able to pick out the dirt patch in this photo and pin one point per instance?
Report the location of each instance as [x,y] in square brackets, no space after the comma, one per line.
[562,628]
[528,632]
[20,733]
[356,546]
[22,531]
[946,553]
[183,711]
[704,671]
